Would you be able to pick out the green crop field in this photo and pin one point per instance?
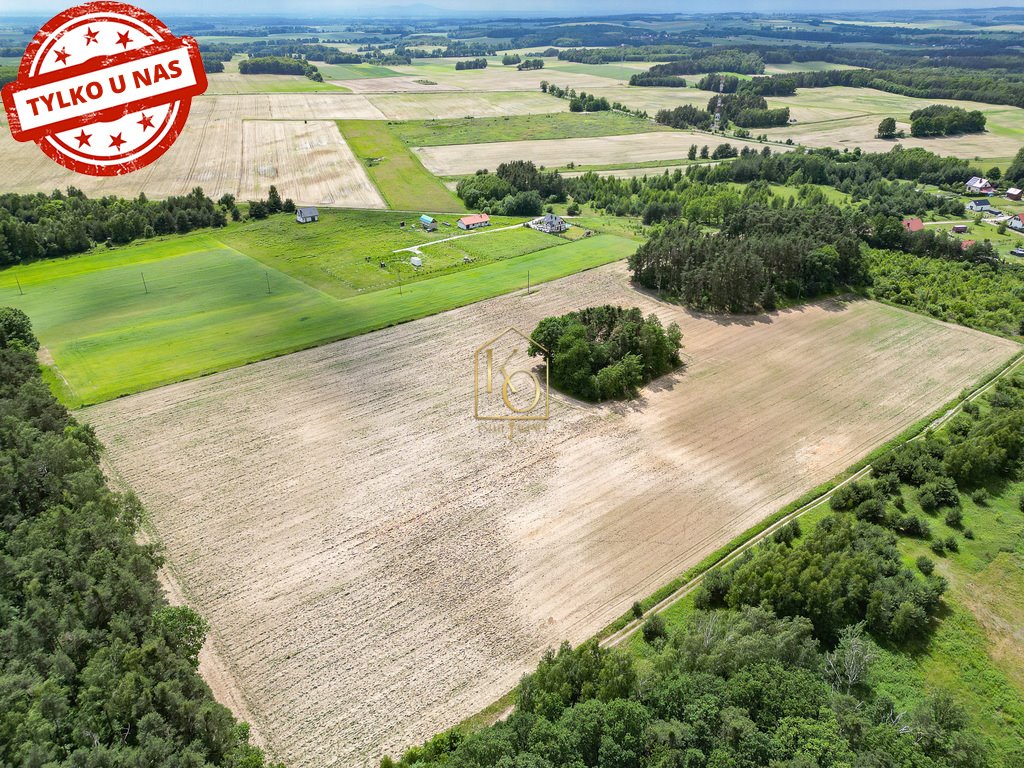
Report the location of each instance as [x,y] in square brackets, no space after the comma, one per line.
[558,125]
[353,71]
[613,71]
[130,319]
[399,175]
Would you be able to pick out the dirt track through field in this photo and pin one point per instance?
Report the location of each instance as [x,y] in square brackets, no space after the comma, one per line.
[376,566]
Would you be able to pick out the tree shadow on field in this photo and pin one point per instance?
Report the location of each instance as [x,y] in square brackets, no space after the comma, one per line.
[637,404]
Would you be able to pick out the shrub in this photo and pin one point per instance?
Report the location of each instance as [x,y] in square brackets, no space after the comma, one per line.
[954,517]
[952,544]
[637,610]
[980,496]
[939,547]
[654,629]
[925,565]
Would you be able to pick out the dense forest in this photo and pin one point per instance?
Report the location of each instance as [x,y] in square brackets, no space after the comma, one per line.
[759,255]
[96,669]
[605,353]
[279,65]
[942,120]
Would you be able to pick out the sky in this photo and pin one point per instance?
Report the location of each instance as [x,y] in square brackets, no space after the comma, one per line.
[403,8]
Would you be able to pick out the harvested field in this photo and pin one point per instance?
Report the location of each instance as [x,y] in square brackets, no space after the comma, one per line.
[395,84]
[376,566]
[848,117]
[422,106]
[498,78]
[309,157]
[460,159]
[208,153]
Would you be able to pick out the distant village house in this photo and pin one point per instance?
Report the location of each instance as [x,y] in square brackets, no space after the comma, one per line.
[913,225]
[1013,193]
[306,215]
[1016,223]
[979,205]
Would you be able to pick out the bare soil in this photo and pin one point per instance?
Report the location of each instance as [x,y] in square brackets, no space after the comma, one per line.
[376,565]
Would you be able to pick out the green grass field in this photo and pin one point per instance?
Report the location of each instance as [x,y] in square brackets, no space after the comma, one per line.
[341,254]
[558,125]
[127,320]
[401,178]
[613,71]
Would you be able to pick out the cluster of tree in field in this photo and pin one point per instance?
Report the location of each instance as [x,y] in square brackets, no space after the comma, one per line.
[95,667]
[749,110]
[686,116]
[943,120]
[260,209]
[527,64]
[510,58]
[605,352]
[279,65]
[759,255]
[39,226]
[471,64]
[587,102]
[517,188]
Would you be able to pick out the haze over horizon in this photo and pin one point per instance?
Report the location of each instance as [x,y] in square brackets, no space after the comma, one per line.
[306,9]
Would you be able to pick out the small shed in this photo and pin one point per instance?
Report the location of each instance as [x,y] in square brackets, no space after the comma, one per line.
[959,228]
[307,215]
[416,261]
[475,221]
[1013,193]
[429,223]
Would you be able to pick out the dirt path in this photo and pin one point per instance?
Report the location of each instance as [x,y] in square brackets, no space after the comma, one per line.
[416,248]
[376,565]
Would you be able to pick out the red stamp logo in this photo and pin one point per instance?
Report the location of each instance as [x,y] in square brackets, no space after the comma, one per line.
[104,88]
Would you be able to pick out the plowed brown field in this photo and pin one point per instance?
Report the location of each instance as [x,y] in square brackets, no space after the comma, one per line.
[376,566]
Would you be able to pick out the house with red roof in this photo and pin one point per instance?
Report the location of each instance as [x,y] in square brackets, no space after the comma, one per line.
[475,221]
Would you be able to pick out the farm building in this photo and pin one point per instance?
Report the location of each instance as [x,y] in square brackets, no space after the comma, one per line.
[966,244]
[959,228]
[306,215]
[979,205]
[549,223]
[977,185]
[1013,193]
[1016,223]
[913,225]
[475,221]
[429,223]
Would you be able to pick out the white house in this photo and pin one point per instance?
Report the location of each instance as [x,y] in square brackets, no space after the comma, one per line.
[306,215]
[475,221]
[978,185]
[549,223]
[1016,223]
[979,205]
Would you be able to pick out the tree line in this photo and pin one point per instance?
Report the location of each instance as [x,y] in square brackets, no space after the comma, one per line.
[943,120]
[38,226]
[95,667]
[480,63]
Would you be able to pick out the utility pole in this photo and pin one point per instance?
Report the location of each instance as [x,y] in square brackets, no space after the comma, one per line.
[399,281]
[267,273]
[146,287]
[527,282]
[20,292]
[718,108]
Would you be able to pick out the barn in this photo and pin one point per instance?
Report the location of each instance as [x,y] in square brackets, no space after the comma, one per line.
[475,221]
[307,215]
[429,223]
[1013,193]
